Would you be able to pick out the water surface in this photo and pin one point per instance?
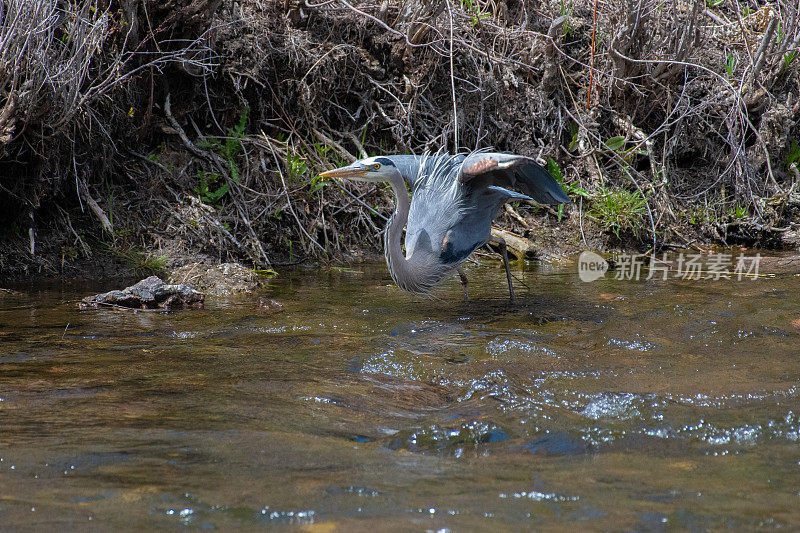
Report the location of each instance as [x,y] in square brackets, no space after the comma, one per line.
[616,404]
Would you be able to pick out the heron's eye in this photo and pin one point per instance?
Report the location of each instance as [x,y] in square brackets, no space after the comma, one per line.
[376,166]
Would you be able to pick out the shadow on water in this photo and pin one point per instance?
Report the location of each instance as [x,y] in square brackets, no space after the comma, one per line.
[614,404]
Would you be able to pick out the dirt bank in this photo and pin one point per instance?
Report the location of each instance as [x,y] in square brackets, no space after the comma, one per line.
[139,136]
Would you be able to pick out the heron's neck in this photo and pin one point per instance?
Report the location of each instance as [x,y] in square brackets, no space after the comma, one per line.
[418,273]
[393,250]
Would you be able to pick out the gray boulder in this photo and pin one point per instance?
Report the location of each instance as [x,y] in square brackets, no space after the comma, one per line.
[150,293]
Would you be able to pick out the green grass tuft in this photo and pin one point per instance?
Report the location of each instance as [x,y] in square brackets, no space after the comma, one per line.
[138,261]
[619,211]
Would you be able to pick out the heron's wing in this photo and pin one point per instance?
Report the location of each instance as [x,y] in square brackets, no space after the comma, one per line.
[506,195]
[512,172]
[436,202]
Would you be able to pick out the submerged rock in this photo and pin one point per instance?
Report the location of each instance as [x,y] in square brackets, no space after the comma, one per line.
[150,293]
[269,306]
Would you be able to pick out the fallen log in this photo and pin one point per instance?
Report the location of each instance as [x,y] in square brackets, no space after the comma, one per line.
[519,247]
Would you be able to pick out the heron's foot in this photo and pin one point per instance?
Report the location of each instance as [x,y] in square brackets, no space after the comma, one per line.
[464,282]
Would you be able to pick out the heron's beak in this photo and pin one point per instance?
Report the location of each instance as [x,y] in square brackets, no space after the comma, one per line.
[345,172]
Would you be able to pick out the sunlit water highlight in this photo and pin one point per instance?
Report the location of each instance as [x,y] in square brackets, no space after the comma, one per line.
[611,405]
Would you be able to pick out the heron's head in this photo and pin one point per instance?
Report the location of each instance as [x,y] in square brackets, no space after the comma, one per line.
[372,169]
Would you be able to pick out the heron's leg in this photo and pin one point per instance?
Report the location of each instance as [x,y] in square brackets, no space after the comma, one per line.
[464,282]
[499,241]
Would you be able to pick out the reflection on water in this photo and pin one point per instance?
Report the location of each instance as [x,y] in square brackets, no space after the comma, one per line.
[613,405]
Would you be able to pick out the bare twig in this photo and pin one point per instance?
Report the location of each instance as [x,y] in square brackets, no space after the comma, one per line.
[94,206]
[453,83]
[591,62]
[762,50]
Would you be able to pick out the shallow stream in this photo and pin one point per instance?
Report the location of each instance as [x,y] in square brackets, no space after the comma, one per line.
[616,404]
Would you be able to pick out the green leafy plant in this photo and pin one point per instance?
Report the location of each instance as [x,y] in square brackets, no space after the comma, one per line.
[14,229]
[738,212]
[162,148]
[618,210]
[316,184]
[789,57]
[713,3]
[148,264]
[554,170]
[573,131]
[616,143]
[571,189]
[331,158]
[477,17]
[210,188]
[619,144]
[730,65]
[228,148]
[793,156]
[475,11]
[290,245]
[569,29]
[297,167]
[701,214]
[68,253]
[321,150]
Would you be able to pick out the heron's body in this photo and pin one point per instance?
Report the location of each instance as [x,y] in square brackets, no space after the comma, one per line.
[454,201]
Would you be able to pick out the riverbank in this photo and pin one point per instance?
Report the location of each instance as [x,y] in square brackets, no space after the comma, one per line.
[197,132]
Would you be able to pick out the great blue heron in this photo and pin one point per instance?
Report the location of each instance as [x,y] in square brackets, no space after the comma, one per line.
[454,201]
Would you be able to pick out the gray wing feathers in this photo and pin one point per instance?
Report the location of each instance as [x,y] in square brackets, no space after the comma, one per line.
[514,172]
[508,195]
[539,184]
